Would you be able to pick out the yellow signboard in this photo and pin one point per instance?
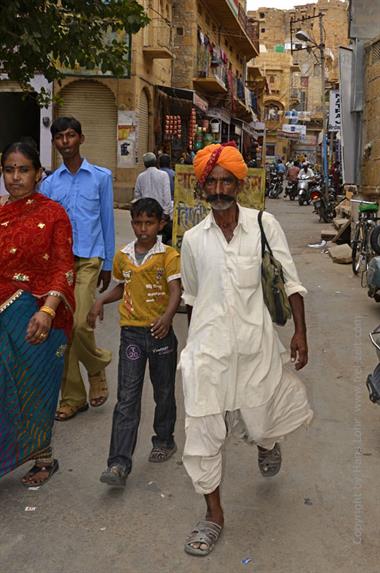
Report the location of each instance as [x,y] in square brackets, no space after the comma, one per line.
[189,210]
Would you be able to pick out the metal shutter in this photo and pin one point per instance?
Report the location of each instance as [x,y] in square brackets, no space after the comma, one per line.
[143,126]
[93,104]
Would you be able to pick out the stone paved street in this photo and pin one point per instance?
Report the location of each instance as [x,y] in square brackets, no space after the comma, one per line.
[302,521]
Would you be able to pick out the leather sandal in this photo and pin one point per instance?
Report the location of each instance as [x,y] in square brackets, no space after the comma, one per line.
[203,538]
[49,470]
[269,460]
[98,389]
[66,412]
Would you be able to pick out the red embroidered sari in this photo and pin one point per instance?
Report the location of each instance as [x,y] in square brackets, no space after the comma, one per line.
[36,254]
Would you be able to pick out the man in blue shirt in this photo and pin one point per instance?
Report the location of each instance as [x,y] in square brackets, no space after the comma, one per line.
[85,191]
[164,163]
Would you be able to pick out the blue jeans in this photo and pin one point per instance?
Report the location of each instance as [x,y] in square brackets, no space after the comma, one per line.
[137,346]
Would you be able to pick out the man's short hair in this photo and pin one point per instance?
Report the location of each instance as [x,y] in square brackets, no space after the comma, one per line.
[63,123]
[149,159]
[149,206]
[164,160]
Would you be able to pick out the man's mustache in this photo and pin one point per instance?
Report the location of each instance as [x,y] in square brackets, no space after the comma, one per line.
[219,197]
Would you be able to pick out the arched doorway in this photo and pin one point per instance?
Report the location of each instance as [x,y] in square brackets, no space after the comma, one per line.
[143,126]
[93,104]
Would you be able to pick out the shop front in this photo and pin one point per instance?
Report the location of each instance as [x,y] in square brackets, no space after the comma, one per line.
[180,123]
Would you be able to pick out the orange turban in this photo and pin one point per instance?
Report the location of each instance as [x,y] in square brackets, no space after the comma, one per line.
[227,156]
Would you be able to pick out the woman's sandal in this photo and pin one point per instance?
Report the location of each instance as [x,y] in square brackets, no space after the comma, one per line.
[205,533]
[66,412]
[48,469]
[98,389]
[159,454]
[269,461]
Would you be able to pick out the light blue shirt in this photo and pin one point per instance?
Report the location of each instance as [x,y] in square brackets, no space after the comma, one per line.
[87,198]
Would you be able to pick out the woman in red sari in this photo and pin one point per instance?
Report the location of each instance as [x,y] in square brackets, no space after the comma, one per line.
[36,310]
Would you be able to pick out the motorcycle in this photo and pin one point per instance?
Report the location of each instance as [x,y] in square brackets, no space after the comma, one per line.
[270,174]
[291,190]
[276,188]
[324,208]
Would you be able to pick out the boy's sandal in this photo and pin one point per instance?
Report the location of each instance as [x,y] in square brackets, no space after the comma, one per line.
[66,412]
[269,461]
[48,469]
[161,454]
[205,533]
[98,389]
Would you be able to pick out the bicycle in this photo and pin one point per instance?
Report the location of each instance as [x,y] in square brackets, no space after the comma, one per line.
[362,250]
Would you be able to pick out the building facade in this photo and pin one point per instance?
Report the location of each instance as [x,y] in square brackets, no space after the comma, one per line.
[117,115]
[213,42]
[277,35]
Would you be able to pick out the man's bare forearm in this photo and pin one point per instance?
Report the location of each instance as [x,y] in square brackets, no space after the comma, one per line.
[298,311]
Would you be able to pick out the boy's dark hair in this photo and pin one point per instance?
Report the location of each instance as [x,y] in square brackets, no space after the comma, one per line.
[63,123]
[149,206]
[25,149]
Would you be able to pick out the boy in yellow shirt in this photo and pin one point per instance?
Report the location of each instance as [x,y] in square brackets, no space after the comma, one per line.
[150,292]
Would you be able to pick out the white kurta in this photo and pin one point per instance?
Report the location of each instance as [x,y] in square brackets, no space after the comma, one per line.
[233,358]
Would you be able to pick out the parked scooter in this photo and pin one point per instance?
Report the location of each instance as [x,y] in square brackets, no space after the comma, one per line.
[373,380]
[373,278]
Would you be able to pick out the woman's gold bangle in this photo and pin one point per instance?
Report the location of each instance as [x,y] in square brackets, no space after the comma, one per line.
[48,311]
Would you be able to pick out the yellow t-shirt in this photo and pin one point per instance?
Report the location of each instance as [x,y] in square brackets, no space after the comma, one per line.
[146,290]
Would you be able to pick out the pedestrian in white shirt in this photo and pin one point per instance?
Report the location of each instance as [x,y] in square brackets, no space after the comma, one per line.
[234,366]
[155,183]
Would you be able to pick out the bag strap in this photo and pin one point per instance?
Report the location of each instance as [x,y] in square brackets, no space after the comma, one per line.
[264,240]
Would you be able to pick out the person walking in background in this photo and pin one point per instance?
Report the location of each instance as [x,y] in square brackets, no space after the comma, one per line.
[164,163]
[233,366]
[155,183]
[85,191]
[149,275]
[36,314]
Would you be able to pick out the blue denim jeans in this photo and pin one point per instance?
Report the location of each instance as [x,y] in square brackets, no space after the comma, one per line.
[137,346]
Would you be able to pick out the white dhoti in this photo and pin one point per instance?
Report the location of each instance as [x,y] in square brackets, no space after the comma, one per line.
[264,425]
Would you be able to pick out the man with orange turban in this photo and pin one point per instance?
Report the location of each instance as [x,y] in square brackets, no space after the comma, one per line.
[233,367]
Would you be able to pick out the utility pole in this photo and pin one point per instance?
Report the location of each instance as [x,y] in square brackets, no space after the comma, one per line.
[321,47]
[305,38]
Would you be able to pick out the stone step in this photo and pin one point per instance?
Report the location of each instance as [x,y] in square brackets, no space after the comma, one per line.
[339,222]
[341,254]
[328,233]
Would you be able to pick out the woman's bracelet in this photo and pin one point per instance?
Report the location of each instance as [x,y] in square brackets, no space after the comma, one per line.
[48,310]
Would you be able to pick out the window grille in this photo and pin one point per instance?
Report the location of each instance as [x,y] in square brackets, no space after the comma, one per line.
[375,52]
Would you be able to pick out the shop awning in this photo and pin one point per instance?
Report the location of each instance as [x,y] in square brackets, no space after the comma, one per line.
[189,95]
[219,113]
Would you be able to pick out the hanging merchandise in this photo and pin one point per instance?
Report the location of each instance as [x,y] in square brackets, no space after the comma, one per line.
[173,127]
[192,128]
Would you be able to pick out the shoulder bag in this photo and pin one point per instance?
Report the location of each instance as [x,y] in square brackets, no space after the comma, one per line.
[272,280]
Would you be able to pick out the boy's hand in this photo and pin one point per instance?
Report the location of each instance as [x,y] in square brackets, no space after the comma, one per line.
[161,327]
[97,310]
